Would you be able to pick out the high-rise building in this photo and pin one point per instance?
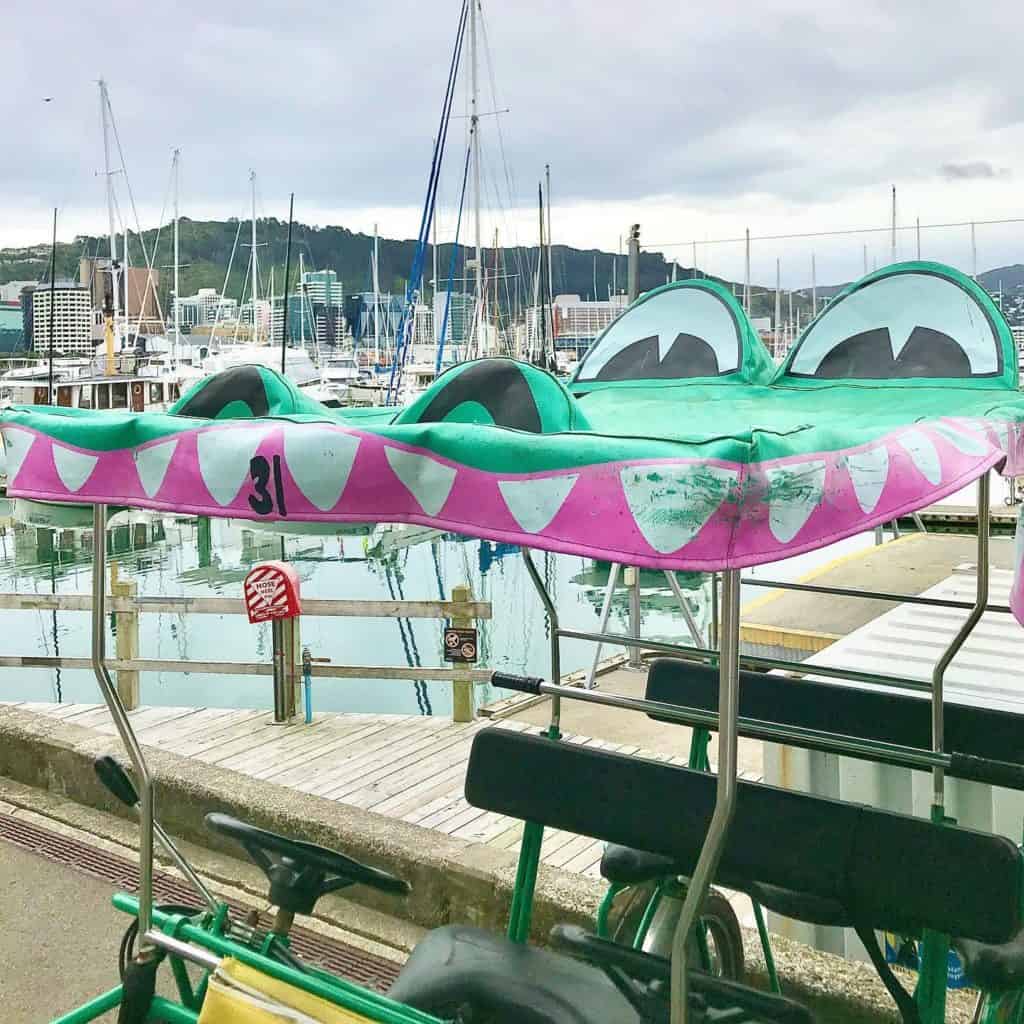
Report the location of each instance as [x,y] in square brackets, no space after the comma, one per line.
[137,291]
[207,306]
[423,326]
[576,323]
[12,338]
[461,311]
[11,292]
[72,319]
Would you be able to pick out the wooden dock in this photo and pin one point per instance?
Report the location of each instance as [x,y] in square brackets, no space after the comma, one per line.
[409,768]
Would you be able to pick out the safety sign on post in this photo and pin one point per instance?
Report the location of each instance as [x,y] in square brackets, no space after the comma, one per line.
[460,644]
[272,595]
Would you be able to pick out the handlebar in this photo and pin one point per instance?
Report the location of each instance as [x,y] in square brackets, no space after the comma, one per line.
[116,780]
[524,684]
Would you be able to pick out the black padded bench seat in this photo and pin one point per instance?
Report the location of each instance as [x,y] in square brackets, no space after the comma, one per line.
[456,966]
[858,856]
[871,714]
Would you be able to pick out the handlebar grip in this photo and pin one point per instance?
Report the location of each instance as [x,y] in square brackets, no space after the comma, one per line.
[524,684]
[115,778]
[983,769]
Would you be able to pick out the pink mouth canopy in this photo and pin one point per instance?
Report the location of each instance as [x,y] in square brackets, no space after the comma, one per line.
[678,444]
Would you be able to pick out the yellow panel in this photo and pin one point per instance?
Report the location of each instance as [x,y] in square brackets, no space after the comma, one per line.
[243,995]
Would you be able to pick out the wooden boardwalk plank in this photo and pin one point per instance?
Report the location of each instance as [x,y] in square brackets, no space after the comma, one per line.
[405,767]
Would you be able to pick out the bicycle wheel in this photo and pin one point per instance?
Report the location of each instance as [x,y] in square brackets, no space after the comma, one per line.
[724,937]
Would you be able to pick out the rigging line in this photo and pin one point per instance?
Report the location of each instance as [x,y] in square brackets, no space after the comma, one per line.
[416,274]
[451,266]
[224,290]
[831,234]
[127,180]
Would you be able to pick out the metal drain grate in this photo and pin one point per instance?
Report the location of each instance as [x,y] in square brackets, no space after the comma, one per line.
[338,957]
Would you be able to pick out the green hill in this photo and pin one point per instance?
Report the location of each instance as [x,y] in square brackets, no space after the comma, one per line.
[206,246]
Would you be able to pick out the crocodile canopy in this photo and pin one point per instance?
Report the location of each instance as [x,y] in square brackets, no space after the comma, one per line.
[677,445]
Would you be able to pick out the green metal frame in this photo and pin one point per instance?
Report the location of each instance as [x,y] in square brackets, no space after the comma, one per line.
[337,991]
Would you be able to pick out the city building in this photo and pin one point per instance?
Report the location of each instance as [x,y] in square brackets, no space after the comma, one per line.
[12,337]
[1018,336]
[207,306]
[323,286]
[576,322]
[461,311]
[72,319]
[365,325]
[138,285]
[11,292]
[423,326]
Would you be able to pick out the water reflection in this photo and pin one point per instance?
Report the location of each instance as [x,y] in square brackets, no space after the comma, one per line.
[172,556]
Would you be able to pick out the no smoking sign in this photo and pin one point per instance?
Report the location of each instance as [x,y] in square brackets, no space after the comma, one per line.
[460,645]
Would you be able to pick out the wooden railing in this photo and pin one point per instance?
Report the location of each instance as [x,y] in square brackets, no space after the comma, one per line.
[127,607]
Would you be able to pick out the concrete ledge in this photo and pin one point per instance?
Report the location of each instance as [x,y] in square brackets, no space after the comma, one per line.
[453,881]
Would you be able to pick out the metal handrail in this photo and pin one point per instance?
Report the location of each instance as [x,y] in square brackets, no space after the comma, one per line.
[877,595]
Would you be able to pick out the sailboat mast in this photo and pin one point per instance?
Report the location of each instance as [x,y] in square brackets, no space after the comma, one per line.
[302,303]
[376,295]
[474,135]
[177,261]
[551,290]
[104,108]
[254,288]
[541,314]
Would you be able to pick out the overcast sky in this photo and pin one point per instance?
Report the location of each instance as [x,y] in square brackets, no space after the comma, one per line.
[696,121]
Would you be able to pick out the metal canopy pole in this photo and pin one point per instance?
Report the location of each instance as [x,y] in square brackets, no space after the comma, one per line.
[606,610]
[725,796]
[691,625]
[556,633]
[939,672]
[120,716]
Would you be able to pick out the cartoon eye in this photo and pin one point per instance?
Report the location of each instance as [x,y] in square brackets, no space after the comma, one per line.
[907,324]
[678,333]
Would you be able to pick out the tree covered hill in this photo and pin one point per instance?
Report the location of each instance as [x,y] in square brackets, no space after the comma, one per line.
[206,248]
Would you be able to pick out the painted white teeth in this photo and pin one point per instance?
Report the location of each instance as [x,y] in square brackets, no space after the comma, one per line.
[923,454]
[794,492]
[73,468]
[320,462]
[670,505]
[535,502]
[224,457]
[151,464]
[15,447]
[429,481]
[868,472]
[969,444]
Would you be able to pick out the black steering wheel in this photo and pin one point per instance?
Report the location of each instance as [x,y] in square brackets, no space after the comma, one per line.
[300,873]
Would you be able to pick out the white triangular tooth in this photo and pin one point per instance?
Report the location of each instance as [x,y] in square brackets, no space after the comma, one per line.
[671,505]
[535,502]
[429,481]
[794,492]
[868,471]
[320,461]
[224,456]
[73,468]
[968,443]
[16,445]
[151,464]
[922,453]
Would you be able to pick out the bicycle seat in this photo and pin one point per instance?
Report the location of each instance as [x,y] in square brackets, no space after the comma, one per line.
[994,967]
[628,866]
[506,982]
[458,968]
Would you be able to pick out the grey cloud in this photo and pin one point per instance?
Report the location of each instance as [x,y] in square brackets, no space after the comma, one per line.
[972,169]
[339,102]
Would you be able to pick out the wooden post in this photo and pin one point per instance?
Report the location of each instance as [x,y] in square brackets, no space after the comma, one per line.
[127,642]
[462,684]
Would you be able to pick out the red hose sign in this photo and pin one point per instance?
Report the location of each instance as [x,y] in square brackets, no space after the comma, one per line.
[272,592]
